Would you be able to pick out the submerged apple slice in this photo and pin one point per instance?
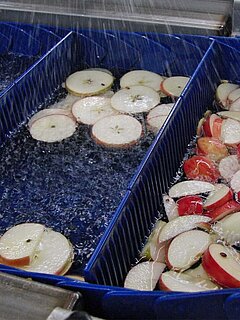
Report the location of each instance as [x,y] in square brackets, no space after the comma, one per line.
[88,82]
[117,131]
[18,244]
[222,264]
[91,109]
[170,207]
[180,225]
[190,187]
[54,255]
[235,181]
[157,116]
[220,195]
[174,86]
[186,249]
[136,99]
[144,276]
[228,166]
[141,78]
[175,281]
[223,90]
[230,132]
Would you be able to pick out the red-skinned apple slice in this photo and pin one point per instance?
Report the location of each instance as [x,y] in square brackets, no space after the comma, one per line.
[190,187]
[201,168]
[229,166]
[53,256]
[173,86]
[175,281]
[217,127]
[235,182]
[227,208]
[170,207]
[18,244]
[212,148]
[186,249]
[197,272]
[179,225]
[190,205]
[222,264]
[230,132]
[220,195]
[144,276]
[222,92]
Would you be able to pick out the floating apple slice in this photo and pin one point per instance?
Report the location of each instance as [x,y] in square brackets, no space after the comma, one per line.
[118,131]
[228,228]
[235,115]
[233,96]
[170,207]
[190,187]
[180,225]
[18,244]
[157,116]
[100,69]
[91,109]
[186,249]
[144,276]
[227,208]
[220,195]
[88,82]
[230,133]
[136,99]
[175,281]
[190,205]
[197,272]
[158,251]
[235,181]
[223,90]
[222,264]
[229,166]
[212,148]
[174,86]
[141,78]
[53,256]
[53,128]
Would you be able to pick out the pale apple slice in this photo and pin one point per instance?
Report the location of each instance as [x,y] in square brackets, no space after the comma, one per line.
[158,251]
[180,225]
[229,207]
[190,187]
[157,116]
[235,106]
[88,82]
[220,195]
[233,96]
[197,272]
[91,109]
[235,181]
[144,276]
[100,69]
[54,254]
[170,207]
[136,99]
[186,249]
[228,166]
[53,128]
[230,132]
[141,78]
[228,228]
[65,103]
[222,92]
[235,115]
[175,281]
[222,264]
[173,86]
[117,131]
[18,244]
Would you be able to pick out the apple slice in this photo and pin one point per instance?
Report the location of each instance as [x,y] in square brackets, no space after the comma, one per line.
[186,249]
[141,78]
[227,208]
[230,132]
[197,272]
[158,251]
[233,96]
[228,228]
[91,109]
[136,99]
[228,167]
[88,82]
[190,205]
[175,281]
[173,86]
[235,115]
[144,276]
[235,181]
[100,69]
[212,148]
[220,195]
[180,225]
[190,187]
[18,244]
[217,128]
[222,92]
[157,116]
[235,106]
[222,264]
[54,254]
[117,131]
[65,103]
[170,207]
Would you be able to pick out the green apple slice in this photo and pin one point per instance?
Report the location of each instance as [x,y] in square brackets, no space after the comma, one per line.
[141,78]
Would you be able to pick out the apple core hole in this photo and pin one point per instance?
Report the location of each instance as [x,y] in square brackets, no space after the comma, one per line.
[223,254]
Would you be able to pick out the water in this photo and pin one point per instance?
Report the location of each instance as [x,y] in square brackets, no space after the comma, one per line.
[74,186]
